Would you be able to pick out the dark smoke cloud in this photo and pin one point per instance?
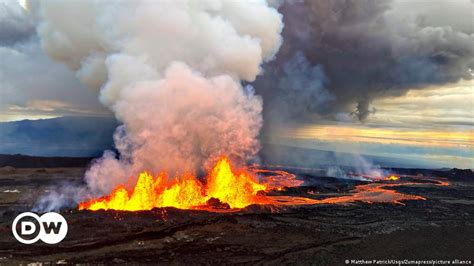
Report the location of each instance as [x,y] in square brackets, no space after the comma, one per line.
[300,87]
[15,24]
[347,53]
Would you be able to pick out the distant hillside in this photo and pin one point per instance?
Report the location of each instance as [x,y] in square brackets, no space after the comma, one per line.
[10,162]
[65,136]
[314,158]
[90,136]
[23,161]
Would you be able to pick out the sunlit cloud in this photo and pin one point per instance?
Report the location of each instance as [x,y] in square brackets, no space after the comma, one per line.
[43,109]
[437,107]
[34,87]
[384,136]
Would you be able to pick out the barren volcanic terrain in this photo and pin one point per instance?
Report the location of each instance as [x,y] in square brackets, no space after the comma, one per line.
[439,227]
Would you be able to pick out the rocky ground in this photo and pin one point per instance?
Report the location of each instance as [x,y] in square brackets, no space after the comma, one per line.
[438,228]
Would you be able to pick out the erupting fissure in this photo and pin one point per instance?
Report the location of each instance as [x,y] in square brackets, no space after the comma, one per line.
[392,178]
[226,188]
[233,188]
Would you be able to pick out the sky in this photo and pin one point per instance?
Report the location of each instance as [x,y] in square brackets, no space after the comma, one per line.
[430,121]
[433,127]
[32,85]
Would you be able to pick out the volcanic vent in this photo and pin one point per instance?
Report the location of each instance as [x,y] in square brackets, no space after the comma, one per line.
[234,189]
[228,189]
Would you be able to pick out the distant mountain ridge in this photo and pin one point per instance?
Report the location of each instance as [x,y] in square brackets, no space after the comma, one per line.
[89,136]
[64,136]
[24,161]
[9,163]
[313,158]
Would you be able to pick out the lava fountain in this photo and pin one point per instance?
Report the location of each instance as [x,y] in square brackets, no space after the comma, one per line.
[392,178]
[226,188]
[229,187]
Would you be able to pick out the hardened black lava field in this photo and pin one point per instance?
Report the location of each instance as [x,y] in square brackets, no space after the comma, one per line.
[322,234]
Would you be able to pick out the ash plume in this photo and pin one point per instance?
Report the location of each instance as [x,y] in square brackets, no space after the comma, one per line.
[365,49]
[171,72]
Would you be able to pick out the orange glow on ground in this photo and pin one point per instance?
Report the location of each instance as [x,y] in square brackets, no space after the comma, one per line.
[392,178]
[238,189]
[228,190]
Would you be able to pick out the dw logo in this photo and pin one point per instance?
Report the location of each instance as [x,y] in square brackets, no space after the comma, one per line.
[50,228]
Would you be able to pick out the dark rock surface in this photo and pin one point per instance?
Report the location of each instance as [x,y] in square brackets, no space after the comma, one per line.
[440,227]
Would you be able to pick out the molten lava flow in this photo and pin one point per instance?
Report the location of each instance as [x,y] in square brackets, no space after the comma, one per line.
[238,189]
[392,178]
[374,193]
[277,179]
[227,189]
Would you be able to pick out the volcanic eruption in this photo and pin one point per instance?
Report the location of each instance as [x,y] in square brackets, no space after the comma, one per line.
[172,74]
[236,189]
[187,132]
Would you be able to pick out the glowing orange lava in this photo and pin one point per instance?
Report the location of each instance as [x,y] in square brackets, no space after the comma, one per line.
[374,193]
[238,189]
[392,178]
[277,179]
[227,190]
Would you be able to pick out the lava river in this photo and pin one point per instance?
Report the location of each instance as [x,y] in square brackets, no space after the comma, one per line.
[229,189]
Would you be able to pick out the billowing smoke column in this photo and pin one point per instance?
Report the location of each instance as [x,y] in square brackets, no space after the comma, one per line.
[351,52]
[171,72]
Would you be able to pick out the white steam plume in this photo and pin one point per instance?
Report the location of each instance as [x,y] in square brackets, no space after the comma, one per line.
[171,72]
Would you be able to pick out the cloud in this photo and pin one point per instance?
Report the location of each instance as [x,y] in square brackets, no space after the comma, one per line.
[432,128]
[445,107]
[366,50]
[30,81]
[15,23]
[171,72]
[340,133]
[412,148]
